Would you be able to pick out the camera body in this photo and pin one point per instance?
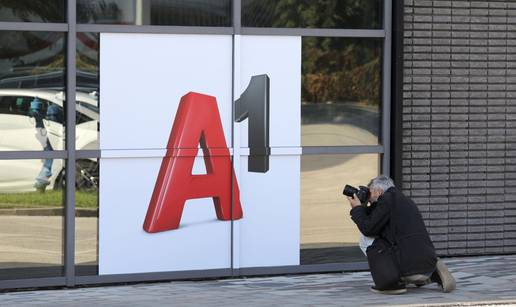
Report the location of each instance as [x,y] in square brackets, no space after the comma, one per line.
[362,193]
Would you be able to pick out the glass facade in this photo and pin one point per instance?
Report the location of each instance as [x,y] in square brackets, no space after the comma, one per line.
[87,92]
[86,217]
[340,105]
[33,10]
[341,86]
[334,14]
[31,228]
[328,235]
[32,87]
[215,13]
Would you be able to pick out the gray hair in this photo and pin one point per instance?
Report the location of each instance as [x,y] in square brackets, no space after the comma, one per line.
[383,182]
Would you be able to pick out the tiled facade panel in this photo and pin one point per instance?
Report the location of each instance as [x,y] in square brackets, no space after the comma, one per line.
[459,122]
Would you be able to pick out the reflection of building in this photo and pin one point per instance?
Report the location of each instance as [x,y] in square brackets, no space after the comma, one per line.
[441,124]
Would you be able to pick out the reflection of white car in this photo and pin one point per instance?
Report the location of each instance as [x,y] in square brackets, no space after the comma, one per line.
[18,133]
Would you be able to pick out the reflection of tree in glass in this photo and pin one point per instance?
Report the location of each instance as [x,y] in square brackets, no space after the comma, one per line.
[340,70]
[35,10]
[312,13]
[87,62]
[31,53]
[98,11]
[87,52]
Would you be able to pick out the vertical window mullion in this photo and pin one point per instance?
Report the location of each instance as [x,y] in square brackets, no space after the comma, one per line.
[70,145]
[386,81]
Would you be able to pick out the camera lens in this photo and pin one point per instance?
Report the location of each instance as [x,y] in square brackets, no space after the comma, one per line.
[349,190]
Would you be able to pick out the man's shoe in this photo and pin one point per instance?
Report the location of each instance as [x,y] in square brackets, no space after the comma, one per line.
[443,277]
[400,290]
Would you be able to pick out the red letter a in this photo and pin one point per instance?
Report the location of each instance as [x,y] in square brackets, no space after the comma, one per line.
[197,120]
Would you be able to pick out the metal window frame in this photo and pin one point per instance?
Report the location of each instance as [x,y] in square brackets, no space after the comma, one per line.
[71,154]
[69,256]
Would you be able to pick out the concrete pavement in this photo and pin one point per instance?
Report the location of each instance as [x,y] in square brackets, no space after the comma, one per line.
[481,281]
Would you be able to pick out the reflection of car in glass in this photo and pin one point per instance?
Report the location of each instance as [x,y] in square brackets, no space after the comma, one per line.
[18,133]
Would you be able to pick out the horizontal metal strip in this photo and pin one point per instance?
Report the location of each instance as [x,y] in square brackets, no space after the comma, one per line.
[33,26]
[12,155]
[141,277]
[160,153]
[149,153]
[366,33]
[82,154]
[315,150]
[102,28]
[275,151]
[32,283]
[301,269]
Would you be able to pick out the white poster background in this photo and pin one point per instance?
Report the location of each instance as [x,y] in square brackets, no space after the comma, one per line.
[270,230]
[143,77]
[201,241]
[280,58]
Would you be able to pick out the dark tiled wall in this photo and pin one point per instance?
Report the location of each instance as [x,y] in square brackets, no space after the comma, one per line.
[459,122]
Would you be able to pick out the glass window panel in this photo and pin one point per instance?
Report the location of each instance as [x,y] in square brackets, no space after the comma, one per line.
[31,218]
[328,235]
[86,217]
[156,12]
[364,14]
[340,91]
[32,82]
[87,106]
[32,10]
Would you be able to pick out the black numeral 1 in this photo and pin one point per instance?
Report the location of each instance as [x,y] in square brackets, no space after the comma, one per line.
[254,104]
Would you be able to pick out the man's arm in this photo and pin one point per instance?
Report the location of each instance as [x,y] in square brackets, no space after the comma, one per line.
[372,224]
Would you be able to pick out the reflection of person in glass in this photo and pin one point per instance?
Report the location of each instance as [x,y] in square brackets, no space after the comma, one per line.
[36,111]
[392,219]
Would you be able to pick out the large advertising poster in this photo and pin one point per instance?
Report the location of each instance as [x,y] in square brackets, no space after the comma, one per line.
[270,232]
[173,178]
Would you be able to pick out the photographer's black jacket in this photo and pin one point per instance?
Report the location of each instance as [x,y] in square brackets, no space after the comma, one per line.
[416,251]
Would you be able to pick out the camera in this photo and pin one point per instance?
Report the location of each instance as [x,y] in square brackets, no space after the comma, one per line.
[362,193]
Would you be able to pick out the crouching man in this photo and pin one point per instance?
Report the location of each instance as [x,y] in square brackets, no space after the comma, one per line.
[396,219]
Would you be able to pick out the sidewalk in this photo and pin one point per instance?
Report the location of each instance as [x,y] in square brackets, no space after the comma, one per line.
[481,281]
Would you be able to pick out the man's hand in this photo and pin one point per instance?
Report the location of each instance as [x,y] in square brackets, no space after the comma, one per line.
[354,201]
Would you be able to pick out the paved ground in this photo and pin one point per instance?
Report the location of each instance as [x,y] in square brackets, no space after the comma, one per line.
[488,281]
[35,240]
